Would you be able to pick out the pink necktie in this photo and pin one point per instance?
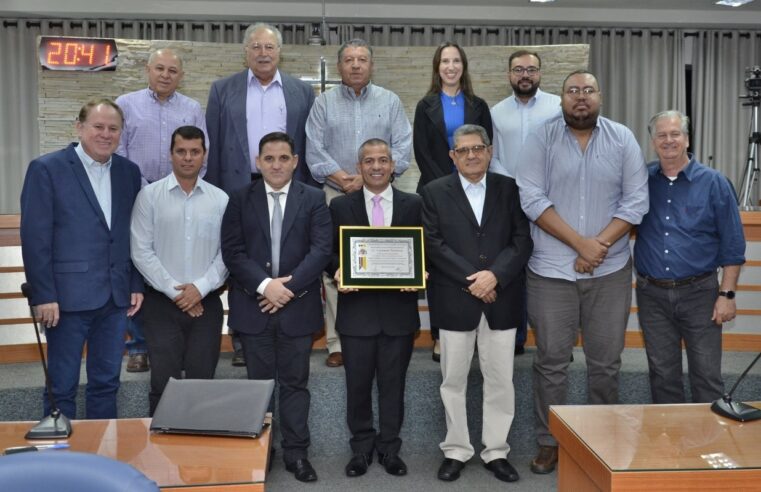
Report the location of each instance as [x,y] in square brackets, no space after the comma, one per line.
[377,211]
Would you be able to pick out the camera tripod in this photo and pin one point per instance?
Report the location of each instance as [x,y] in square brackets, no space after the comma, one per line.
[754,141]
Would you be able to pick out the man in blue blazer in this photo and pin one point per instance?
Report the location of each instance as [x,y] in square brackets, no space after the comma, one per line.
[243,107]
[75,217]
[276,241]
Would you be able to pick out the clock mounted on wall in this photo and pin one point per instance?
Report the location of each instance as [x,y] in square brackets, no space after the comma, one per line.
[77,54]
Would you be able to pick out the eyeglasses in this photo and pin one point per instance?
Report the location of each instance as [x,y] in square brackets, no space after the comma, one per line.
[577,91]
[266,48]
[465,151]
[522,70]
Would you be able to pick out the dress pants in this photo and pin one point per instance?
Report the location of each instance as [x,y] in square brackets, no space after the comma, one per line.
[557,309]
[495,357]
[136,343]
[271,354]
[178,342]
[103,330]
[383,358]
[332,339]
[667,317]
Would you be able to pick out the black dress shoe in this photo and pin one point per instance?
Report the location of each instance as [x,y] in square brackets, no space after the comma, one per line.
[302,470]
[502,469]
[238,360]
[393,464]
[358,464]
[449,471]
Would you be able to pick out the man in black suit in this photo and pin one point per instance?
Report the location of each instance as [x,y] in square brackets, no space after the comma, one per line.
[477,244]
[377,327]
[276,241]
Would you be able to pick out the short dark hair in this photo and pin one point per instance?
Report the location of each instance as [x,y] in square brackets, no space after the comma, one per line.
[84,112]
[465,85]
[188,132]
[276,137]
[373,142]
[580,72]
[521,53]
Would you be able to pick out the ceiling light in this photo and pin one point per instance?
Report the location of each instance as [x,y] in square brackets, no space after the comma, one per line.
[541,1]
[733,3]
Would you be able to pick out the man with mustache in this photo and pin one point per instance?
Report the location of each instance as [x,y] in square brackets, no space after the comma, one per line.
[246,106]
[514,118]
[583,185]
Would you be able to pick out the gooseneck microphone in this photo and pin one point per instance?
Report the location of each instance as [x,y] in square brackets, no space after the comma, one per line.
[739,411]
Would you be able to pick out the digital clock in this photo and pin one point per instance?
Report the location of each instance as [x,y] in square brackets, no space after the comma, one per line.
[77,54]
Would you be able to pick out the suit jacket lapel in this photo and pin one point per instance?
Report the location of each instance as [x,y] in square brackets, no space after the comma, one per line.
[358,209]
[490,200]
[459,198]
[238,112]
[436,113]
[291,111]
[84,181]
[118,182]
[293,202]
[396,212]
[261,208]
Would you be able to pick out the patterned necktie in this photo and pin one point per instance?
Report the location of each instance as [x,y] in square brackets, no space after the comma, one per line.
[276,228]
[377,211]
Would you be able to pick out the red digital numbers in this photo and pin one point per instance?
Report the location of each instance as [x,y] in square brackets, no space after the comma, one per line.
[78,53]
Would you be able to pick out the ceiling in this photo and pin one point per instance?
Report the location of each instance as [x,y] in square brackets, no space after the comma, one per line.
[682,13]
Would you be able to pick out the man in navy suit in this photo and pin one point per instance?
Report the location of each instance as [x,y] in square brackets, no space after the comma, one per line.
[276,241]
[245,106]
[377,326]
[75,217]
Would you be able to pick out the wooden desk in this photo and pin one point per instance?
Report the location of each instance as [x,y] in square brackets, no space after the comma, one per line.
[174,462]
[654,448]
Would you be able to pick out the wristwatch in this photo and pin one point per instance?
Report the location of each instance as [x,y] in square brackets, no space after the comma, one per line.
[729,294]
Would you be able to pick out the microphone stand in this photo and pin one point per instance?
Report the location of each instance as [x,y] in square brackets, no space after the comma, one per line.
[56,425]
[739,411]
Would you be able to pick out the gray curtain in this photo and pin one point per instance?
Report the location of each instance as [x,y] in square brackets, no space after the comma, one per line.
[641,71]
[721,124]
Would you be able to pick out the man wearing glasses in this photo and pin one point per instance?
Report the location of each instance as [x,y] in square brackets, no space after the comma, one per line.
[244,107]
[477,242]
[514,118]
[583,184]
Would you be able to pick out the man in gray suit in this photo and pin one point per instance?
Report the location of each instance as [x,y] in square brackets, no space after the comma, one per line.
[244,107]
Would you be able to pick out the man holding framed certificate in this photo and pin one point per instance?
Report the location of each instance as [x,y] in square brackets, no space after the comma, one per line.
[477,241]
[377,320]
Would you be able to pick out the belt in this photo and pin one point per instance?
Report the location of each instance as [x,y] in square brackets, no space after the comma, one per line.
[217,292]
[680,282]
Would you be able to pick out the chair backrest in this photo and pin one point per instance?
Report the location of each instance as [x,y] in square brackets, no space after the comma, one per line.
[68,471]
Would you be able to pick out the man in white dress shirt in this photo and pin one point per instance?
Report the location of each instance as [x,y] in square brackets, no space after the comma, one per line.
[175,243]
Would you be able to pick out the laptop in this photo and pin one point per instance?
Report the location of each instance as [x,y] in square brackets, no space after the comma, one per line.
[215,407]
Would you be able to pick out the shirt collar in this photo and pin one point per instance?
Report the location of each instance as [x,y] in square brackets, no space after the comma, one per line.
[251,77]
[387,194]
[172,183]
[285,189]
[688,171]
[349,92]
[89,161]
[465,183]
[155,97]
[531,102]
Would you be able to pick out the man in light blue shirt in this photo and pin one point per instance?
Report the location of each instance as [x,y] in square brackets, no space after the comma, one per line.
[583,185]
[513,119]
[521,113]
[175,244]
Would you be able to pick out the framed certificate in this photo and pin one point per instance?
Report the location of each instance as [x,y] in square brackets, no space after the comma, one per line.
[381,257]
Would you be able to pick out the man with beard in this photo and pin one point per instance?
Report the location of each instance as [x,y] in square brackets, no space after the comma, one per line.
[513,119]
[583,184]
[518,115]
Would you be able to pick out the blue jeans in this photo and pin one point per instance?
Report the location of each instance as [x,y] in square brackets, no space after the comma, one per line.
[136,344]
[667,317]
[103,330]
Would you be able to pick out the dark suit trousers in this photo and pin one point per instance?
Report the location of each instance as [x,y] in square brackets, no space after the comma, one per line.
[386,358]
[177,341]
[272,354]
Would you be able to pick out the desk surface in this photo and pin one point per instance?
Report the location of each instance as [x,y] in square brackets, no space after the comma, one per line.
[663,437]
[169,460]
